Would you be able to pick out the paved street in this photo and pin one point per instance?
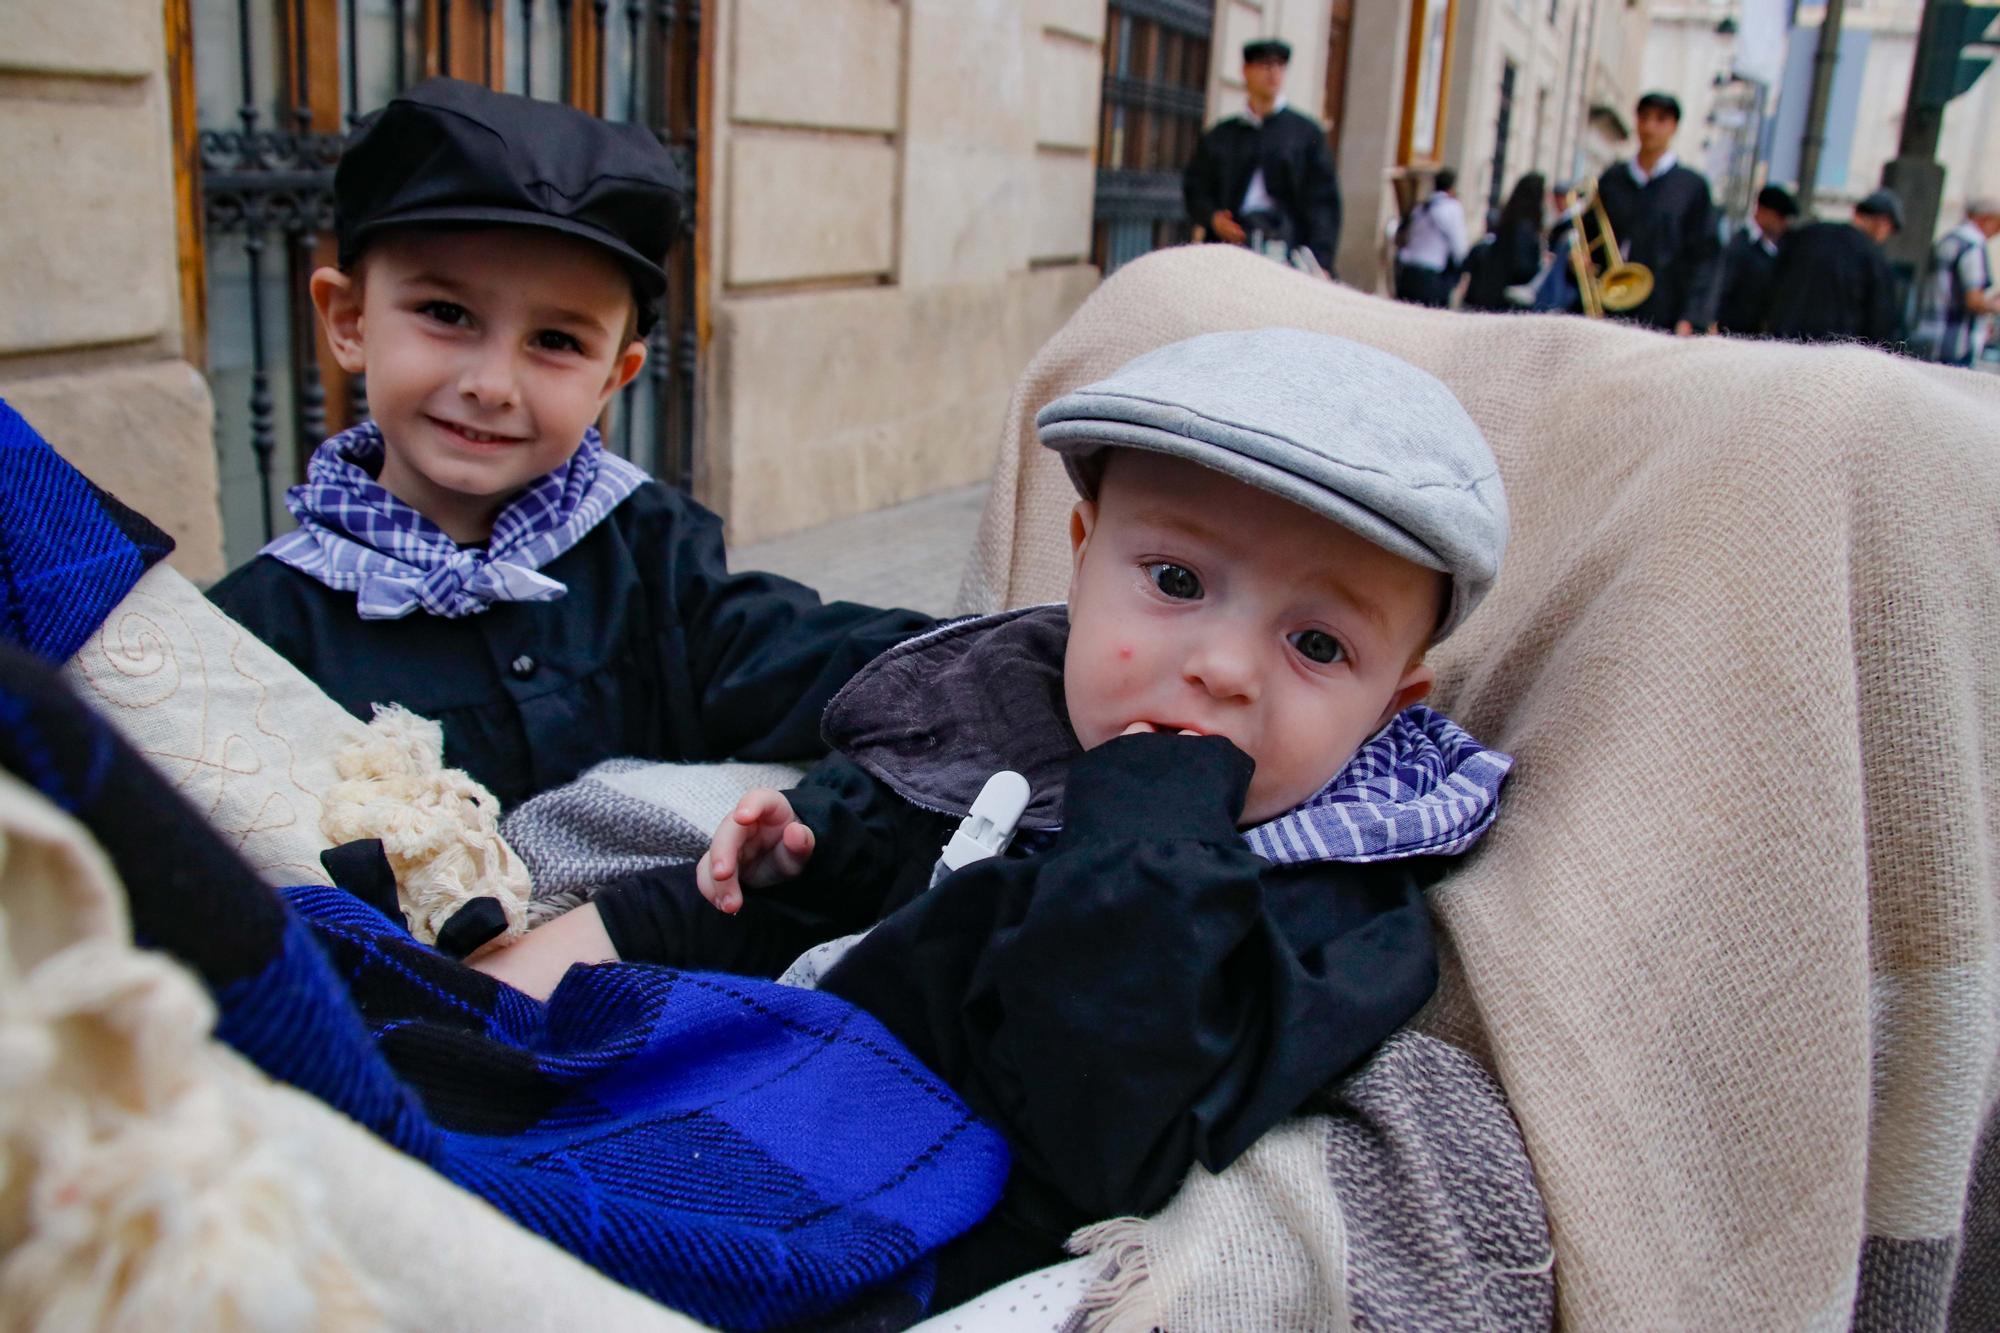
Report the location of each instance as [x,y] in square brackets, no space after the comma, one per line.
[910,555]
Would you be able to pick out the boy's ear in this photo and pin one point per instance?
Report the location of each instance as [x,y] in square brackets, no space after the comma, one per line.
[1082,521]
[337,298]
[623,370]
[1413,688]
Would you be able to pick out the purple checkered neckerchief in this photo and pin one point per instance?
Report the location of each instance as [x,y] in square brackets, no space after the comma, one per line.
[353,536]
[1420,787]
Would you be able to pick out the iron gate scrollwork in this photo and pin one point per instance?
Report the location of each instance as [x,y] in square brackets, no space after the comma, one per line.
[278,86]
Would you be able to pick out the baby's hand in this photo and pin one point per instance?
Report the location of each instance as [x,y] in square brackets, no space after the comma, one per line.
[759,845]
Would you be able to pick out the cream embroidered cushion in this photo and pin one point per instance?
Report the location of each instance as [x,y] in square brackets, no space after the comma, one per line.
[246,738]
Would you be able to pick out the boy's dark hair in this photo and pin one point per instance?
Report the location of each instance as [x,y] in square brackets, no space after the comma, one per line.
[1659,101]
[1779,200]
[1267,48]
[1446,179]
[447,153]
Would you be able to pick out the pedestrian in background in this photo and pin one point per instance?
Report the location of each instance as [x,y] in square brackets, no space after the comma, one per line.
[1832,282]
[1431,246]
[1744,276]
[1512,256]
[1959,293]
[1266,177]
[1665,220]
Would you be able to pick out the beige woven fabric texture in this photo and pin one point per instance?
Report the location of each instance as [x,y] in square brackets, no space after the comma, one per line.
[1731,947]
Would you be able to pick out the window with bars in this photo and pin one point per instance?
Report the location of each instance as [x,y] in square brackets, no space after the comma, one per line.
[1155,98]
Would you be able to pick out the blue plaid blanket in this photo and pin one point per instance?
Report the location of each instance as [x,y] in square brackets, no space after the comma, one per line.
[754,1155]
[68,552]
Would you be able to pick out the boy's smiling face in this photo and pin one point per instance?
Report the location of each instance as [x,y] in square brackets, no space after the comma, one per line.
[1198,603]
[487,353]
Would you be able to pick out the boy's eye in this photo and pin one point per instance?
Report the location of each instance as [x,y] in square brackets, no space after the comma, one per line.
[1316,645]
[445,312]
[1176,581]
[553,340]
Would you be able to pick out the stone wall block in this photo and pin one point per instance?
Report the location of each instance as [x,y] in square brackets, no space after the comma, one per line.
[87,248]
[887,394]
[1068,75]
[969,138]
[145,433]
[804,206]
[102,38]
[1063,199]
[831,63]
[1079,18]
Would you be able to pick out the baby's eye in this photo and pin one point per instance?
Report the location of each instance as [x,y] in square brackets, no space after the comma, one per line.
[1176,581]
[446,312]
[1316,645]
[554,340]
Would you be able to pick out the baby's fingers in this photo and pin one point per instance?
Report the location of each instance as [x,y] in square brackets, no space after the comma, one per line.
[785,860]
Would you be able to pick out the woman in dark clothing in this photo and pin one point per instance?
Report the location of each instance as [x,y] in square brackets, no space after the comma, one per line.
[1513,254]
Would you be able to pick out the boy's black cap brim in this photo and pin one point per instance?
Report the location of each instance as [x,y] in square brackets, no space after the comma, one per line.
[647,272]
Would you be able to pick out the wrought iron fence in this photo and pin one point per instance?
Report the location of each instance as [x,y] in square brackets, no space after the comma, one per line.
[280,83]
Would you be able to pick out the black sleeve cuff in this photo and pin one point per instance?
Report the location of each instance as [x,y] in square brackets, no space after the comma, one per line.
[1157,786]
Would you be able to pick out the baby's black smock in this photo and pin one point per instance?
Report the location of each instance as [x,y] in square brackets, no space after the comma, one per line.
[1137,993]
[655,651]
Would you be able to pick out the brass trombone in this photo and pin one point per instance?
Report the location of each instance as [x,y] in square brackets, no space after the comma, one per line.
[1619,285]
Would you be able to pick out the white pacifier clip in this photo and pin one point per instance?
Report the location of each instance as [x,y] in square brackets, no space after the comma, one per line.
[988,827]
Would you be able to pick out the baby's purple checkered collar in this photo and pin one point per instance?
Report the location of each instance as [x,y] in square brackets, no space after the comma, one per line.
[1419,787]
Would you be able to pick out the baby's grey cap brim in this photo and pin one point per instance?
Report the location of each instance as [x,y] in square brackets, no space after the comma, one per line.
[1344,430]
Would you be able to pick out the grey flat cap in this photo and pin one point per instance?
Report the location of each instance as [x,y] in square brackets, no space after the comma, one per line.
[1350,432]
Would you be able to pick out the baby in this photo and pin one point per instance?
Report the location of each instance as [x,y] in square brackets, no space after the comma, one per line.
[1214,908]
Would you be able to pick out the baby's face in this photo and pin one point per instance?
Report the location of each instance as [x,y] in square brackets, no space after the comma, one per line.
[1198,603]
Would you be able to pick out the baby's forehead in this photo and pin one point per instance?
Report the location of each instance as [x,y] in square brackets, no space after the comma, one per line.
[1229,520]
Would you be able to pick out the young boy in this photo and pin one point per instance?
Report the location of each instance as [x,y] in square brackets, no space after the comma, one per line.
[473,553]
[1235,803]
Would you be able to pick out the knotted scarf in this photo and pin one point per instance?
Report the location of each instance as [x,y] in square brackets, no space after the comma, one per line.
[355,536]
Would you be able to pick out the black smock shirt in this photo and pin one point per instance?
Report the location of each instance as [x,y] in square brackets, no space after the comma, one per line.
[1298,173]
[1743,283]
[1508,259]
[1668,224]
[655,651]
[1139,993]
[1831,283]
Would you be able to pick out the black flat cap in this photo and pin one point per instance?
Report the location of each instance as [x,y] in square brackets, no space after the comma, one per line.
[1883,204]
[1267,48]
[448,152]
[1659,101]
[1779,200]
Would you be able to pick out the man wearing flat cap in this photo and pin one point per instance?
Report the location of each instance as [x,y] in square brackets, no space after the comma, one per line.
[1265,178]
[1832,282]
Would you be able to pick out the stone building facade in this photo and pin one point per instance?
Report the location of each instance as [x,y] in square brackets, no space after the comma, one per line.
[896,208]
[900,208]
[1692,46]
[90,302]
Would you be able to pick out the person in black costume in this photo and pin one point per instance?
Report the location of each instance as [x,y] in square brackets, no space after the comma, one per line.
[1267,175]
[1512,255]
[1665,220]
[1743,279]
[1191,934]
[1832,283]
[473,552]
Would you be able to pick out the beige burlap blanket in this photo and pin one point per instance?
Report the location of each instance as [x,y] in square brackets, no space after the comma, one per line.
[1731,948]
